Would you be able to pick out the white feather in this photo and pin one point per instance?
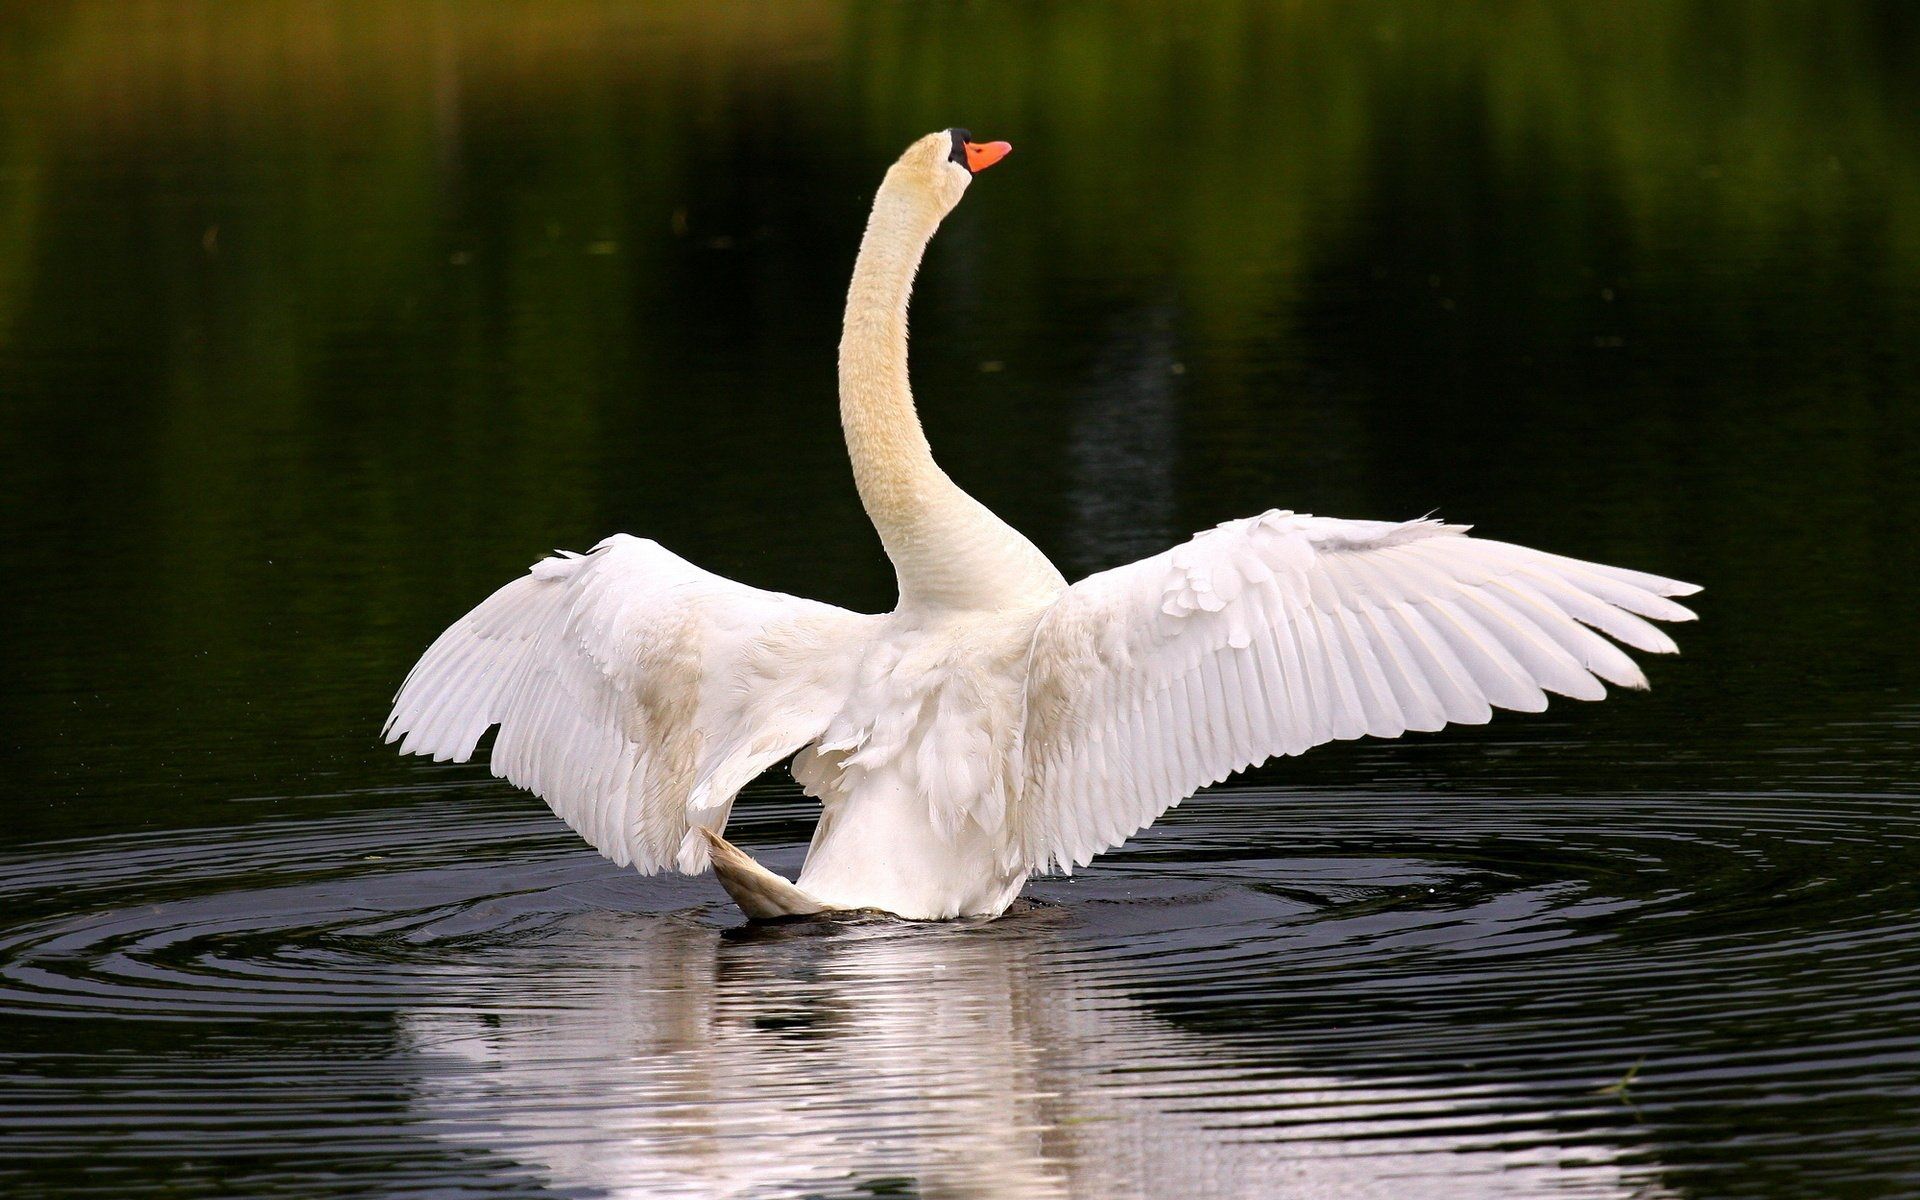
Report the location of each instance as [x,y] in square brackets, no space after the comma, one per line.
[634,691]
[1355,625]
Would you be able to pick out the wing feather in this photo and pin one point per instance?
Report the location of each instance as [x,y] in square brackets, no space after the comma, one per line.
[634,692]
[1270,635]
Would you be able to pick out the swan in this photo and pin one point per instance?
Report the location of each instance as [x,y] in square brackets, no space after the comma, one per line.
[999,722]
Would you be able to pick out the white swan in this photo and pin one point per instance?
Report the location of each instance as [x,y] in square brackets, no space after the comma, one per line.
[998,722]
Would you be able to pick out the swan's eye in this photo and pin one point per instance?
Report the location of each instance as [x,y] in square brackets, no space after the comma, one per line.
[959,152]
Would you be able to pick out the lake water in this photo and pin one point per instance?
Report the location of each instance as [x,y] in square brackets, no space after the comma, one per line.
[317,323]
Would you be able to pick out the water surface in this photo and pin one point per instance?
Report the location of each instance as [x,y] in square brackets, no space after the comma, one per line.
[318,322]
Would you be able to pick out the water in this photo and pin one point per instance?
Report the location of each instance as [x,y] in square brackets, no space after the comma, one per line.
[316,323]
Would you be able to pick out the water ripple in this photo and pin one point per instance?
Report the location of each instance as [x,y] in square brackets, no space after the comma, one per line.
[1477,996]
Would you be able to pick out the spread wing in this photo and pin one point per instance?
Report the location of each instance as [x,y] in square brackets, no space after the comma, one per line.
[1269,635]
[635,692]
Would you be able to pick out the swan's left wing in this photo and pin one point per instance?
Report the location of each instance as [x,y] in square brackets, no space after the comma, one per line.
[634,692]
[1273,634]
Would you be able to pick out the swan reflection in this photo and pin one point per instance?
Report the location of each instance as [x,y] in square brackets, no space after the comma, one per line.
[663,1058]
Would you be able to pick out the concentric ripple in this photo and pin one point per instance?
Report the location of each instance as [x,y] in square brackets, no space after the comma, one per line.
[1360,995]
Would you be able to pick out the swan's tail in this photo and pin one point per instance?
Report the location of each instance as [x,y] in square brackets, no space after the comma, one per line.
[760,893]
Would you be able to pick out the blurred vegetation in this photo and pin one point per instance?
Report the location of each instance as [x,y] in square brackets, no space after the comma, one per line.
[318,320]
[1208,140]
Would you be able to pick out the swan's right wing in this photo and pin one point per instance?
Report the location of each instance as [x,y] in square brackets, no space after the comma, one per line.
[634,692]
[1270,635]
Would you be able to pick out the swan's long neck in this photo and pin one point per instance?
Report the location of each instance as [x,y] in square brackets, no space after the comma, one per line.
[947,549]
[892,463]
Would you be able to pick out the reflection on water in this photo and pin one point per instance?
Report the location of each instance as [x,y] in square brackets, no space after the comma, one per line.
[318,320]
[1349,996]
[1120,478]
[986,1063]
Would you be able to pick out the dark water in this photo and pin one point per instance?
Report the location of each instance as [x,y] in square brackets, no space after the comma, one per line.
[317,322]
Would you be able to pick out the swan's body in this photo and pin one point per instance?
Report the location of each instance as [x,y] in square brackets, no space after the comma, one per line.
[998,722]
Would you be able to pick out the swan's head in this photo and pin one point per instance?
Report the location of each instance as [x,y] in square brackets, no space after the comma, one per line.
[940,165]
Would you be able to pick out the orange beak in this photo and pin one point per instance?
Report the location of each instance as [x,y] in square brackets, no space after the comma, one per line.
[981,155]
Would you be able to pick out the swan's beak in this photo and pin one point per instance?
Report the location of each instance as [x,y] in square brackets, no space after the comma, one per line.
[981,155]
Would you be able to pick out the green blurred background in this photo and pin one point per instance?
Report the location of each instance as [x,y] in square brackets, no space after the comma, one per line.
[320,320]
